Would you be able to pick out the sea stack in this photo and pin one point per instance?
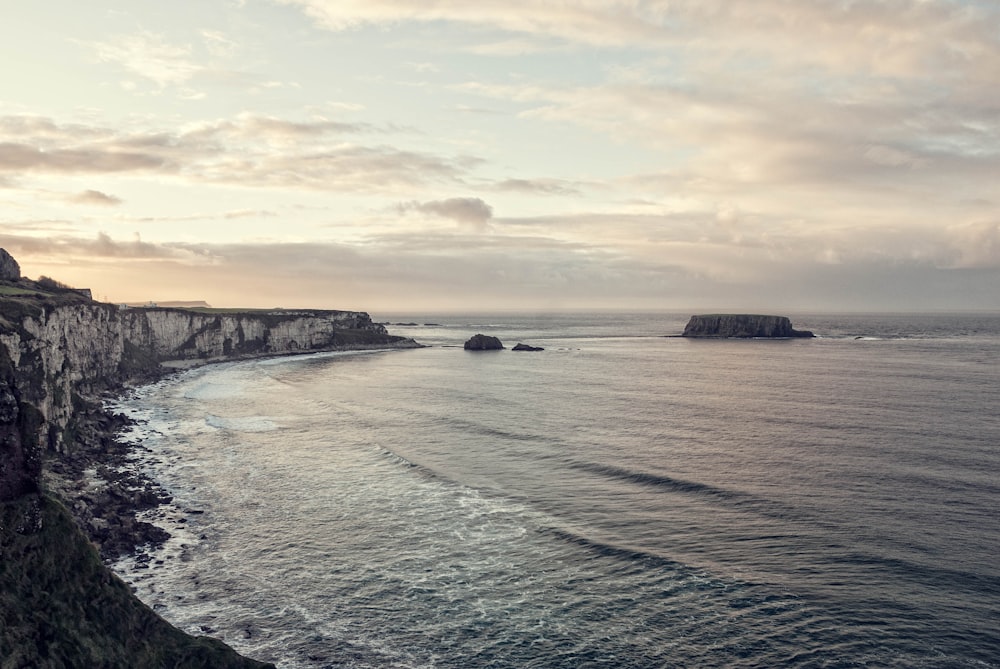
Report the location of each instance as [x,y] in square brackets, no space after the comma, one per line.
[742,326]
[481,342]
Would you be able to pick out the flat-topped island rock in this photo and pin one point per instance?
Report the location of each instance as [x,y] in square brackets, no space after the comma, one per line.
[742,326]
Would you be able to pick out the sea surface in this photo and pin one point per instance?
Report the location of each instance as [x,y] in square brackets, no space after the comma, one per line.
[620,499]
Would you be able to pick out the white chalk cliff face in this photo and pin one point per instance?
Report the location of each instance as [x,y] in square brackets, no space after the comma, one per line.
[87,347]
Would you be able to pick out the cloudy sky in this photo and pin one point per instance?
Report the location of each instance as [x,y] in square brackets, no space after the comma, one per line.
[420,155]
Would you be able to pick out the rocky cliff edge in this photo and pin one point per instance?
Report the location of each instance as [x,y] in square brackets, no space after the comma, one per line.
[60,352]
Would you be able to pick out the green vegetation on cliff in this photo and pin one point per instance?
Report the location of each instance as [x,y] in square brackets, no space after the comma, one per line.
[60,607]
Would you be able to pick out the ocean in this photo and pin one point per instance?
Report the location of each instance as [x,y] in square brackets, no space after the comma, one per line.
[620,499]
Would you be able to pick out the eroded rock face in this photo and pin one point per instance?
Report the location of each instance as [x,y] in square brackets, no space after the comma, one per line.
[742,326]
[481,342]
[9,269]
[20,460]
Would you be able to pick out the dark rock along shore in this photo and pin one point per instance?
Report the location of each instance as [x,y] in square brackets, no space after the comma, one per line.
[60,354]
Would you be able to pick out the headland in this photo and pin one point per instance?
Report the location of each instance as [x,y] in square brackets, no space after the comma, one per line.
[65,500]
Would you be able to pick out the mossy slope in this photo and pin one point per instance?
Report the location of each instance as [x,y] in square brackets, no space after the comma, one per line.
[61,608]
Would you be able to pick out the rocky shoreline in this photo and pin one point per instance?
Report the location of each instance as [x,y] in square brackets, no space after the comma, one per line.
[105,490]
[103,482]
[73,495]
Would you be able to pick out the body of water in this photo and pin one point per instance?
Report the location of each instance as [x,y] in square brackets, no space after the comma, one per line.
[620,499]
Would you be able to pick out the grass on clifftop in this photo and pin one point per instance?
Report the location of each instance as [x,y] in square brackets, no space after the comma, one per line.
[29,298]
[14,290]
[61,608]
[227,310]
[276,311]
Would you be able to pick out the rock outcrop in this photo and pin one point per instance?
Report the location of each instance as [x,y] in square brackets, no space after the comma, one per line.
[9,269]
[742,326]
[20,455]
[481,342]
[527,347]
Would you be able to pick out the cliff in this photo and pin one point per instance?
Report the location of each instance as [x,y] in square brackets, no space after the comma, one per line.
[742,326]
[60,352]
[67,350]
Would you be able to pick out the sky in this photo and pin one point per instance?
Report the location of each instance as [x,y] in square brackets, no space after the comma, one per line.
[431,155]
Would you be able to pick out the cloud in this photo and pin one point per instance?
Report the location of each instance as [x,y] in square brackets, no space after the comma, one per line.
[465,109]
[182,67]
[882,37]
[17,158]
[422,67]
[589,22]
[890,157]
[760,138]
[657,149]
[248,150]
[218,44]
[102,248]
[249,213]
[150,56]
[537,186]
[344,168]
[976,245]
[470,211]
[96,197]
[272,129]
[874,87]
[345,106]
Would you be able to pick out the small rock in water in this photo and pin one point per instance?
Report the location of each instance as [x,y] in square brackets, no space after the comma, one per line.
[481,342]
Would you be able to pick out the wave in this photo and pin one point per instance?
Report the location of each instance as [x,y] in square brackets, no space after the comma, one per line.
[636,556]
[396,458]
[245,424]
[939,577]
[666,482]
